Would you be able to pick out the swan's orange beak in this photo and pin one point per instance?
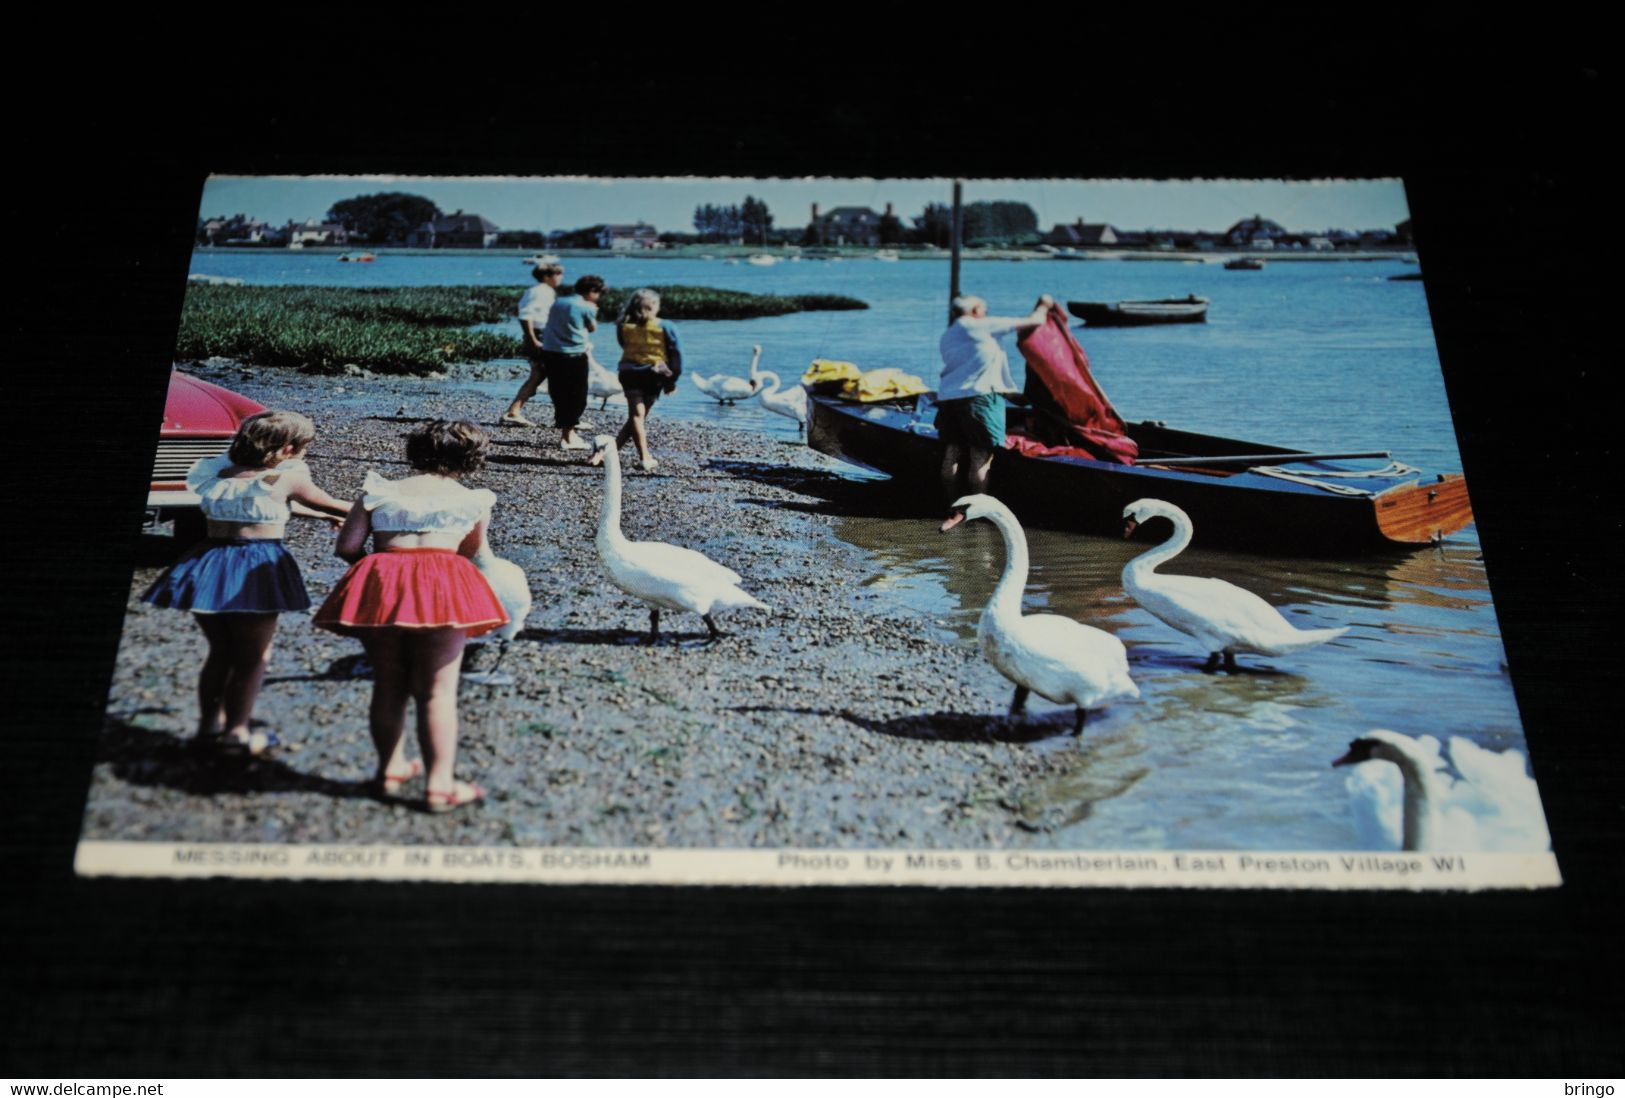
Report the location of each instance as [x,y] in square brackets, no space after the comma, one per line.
[1130,523]
[953,520]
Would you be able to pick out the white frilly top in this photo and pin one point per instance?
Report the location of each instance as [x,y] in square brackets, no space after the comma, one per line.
[449,506]
[239,499]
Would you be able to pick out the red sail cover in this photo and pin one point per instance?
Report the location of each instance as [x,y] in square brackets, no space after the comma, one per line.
[1073,415]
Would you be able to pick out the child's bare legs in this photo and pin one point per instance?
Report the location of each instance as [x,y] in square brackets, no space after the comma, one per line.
[211,681]
[636,428]
[386,718]
[435,658]
[239,649]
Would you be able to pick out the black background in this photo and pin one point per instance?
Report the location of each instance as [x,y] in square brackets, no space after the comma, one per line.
[138,979]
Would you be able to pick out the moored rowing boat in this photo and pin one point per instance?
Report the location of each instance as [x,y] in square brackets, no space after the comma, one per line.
[1124,314]
[1240,494]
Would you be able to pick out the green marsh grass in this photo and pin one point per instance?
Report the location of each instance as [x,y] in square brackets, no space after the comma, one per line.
[411,330]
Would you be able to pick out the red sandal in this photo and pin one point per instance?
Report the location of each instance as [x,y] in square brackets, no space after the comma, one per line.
[460,795]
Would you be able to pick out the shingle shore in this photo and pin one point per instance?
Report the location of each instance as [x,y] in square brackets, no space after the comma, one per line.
[841,719]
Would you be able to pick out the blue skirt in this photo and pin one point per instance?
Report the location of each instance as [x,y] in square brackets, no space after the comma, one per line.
[232,576]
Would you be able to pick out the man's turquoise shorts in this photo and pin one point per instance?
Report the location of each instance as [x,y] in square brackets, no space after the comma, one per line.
[976,421]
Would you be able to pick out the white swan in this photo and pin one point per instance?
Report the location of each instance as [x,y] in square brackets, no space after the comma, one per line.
[729,390]
[667,577]
[1494,805]
[1224,618]
[1056,657]
[602,382]
[792,402]
[512,590]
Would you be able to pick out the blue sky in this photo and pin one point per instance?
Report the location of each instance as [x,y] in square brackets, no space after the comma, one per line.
[568,203]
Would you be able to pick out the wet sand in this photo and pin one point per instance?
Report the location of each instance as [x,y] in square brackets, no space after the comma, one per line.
[840,719]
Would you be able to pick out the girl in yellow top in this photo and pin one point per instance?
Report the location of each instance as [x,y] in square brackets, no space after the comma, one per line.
[651,361]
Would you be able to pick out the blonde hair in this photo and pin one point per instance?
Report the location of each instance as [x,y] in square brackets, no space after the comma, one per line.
[261,436]
[642,305]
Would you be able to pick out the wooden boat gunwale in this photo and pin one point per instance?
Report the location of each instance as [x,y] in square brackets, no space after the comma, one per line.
[1230,507]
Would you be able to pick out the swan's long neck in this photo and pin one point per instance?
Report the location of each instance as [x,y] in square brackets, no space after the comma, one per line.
[755,357]
[609,515]
[1417,808]
[1146,563]
[1005,604]
[767,390]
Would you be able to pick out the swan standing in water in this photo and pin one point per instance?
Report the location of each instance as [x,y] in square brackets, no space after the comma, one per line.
[791,403]
[1053,656]
[1224,618]
[730,390]
[667,577]
[1416,805]
[602,382]
[508,581]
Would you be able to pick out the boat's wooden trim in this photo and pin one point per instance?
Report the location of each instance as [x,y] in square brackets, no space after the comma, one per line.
[1229,508]
[1416,514]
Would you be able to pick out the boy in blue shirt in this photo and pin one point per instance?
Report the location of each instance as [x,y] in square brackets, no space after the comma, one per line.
[564,356]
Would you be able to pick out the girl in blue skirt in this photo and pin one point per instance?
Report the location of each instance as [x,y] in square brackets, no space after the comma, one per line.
[237,581]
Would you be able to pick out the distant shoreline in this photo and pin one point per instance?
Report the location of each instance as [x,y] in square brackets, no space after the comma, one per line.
[723,252]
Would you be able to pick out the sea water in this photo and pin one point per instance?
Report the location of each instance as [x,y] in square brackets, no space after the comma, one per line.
[1307,355]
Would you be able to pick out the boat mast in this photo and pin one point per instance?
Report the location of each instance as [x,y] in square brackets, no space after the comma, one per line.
[953,266]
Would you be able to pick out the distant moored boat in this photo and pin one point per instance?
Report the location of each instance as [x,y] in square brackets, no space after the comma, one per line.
[1127,314]
[1244,263]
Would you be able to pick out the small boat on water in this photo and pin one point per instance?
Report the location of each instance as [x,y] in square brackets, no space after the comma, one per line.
[357,257]
[887,255]
[539,260]
[760,260]
[1133,314]
[1244,263]
[1054,472]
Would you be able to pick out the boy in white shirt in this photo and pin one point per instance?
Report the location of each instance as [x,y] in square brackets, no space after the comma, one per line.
[533,309]
[970,401]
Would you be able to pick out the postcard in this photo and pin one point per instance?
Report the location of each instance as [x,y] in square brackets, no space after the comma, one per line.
[982,533]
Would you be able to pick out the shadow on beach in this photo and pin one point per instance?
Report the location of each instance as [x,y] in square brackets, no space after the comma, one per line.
[144,757]
[837,495]
[617,637]
[944,726]
[344,669]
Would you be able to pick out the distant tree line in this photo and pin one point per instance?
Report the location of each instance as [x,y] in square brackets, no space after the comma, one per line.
[388,218]
[750,221]
[383,218]
[985,222]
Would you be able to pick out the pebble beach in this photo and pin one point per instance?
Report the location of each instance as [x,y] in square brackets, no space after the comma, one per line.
[839,719]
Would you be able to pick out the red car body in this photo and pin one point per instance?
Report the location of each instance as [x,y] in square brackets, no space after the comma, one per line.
[200,420]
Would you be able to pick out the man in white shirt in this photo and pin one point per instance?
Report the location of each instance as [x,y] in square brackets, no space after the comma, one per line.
[533,309]
[970,401]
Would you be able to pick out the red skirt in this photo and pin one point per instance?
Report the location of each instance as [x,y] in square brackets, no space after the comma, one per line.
[412,588]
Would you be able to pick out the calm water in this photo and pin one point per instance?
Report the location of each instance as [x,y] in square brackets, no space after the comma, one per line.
[1309,355]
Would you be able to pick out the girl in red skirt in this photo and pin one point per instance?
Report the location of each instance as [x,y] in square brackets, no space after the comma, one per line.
[416,599]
